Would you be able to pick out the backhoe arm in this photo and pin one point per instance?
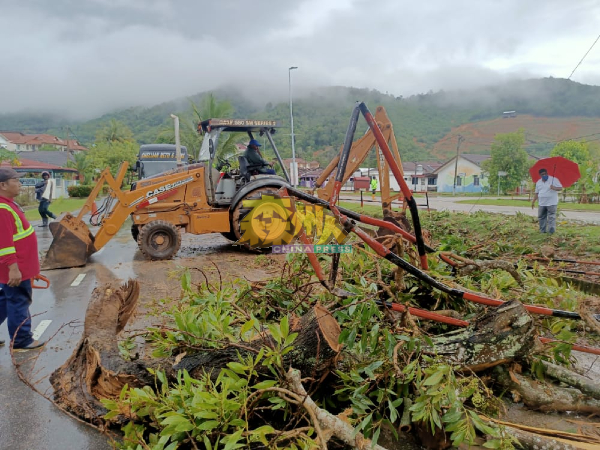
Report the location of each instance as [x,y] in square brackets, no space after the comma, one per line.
[358,153]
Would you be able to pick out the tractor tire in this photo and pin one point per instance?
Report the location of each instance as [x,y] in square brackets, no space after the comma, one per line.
[159,240]
[229,235]
[238,211]
[135,232]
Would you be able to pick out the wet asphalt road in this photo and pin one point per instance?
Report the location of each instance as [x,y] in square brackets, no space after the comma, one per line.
[27,420]
[451,204]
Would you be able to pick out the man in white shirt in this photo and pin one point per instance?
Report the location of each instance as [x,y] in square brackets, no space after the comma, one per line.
[546,190]
[48,193]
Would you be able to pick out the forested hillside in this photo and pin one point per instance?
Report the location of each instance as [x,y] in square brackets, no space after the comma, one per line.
[425,125]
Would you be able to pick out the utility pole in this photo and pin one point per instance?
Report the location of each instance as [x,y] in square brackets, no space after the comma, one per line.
[460,139]
[294,167]
[415,178]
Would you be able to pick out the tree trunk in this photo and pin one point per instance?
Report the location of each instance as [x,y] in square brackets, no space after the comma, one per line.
[498,336]
[547,397]
[315,348]
[95,370]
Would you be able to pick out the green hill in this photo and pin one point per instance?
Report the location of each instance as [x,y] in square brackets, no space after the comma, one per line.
[426,125]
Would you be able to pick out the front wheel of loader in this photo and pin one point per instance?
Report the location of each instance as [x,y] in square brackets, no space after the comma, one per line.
[159,240]
[135,232]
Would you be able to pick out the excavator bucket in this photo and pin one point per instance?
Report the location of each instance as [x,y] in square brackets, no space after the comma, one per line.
[72,244]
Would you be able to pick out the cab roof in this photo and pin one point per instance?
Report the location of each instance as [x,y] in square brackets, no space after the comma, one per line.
[238,125]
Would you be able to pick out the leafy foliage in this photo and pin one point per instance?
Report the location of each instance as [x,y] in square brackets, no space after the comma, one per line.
[81,162]
[114,131]
[508,156]
[573,150]
[80,190]
[110,154]
[6,155]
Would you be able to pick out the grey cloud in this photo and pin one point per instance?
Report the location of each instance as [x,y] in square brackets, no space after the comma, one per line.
[89,56]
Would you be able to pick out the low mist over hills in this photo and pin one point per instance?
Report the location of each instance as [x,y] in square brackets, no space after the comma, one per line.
[426,125]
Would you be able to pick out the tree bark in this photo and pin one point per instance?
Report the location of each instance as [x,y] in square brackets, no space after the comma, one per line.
[496,337]
[571,378]
[546,397]
[333,424]
[96,370]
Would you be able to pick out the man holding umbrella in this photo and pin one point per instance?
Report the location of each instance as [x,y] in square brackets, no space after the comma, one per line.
[546,191]
[564,173]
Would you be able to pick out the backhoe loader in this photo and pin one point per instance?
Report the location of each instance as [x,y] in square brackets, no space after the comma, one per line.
[199,198]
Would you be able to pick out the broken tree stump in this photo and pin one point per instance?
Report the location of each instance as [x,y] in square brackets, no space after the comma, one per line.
[96,370]
[315,348]
[496,337]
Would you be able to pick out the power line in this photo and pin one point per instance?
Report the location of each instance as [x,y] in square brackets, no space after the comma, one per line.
[586,53]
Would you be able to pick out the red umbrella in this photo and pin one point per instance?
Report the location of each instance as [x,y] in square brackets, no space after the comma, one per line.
[564,169]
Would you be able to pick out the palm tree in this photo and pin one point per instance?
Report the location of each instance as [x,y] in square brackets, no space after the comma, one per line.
[114,131]
[188,126]
[81,163]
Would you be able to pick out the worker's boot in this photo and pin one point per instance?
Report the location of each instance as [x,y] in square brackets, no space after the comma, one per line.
[44,223]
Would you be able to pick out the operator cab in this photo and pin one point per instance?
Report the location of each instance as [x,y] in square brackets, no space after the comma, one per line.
[228,181]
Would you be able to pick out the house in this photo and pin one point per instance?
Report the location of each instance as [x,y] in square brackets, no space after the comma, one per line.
[419,176]
[302,164]
[57,158]
[15,141]
[308,178]
[31,172]
[469,175]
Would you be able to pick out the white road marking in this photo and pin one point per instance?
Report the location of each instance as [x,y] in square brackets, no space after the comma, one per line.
[78,280]
[39,330]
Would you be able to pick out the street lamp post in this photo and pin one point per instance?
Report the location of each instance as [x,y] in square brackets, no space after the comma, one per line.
[294,168]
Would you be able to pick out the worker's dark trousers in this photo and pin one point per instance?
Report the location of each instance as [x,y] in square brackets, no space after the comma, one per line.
[547,218]
[43,209]
[14,308]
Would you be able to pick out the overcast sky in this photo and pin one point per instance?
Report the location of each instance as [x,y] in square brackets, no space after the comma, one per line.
[87,57]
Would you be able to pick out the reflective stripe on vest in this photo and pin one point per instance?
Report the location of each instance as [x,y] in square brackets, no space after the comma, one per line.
[21,233]
[7,251]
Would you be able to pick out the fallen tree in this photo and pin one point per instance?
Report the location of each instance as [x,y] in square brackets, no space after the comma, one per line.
[96,372]
[221,371]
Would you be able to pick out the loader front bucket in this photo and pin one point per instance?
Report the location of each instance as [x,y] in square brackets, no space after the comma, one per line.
[71,246]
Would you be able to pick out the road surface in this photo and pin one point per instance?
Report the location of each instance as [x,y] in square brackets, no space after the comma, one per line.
[451,204]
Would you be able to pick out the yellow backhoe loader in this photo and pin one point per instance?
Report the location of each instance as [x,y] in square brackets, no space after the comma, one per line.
[198,198]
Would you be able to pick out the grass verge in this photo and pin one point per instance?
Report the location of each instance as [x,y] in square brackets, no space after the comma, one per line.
[527,203]
[58,207]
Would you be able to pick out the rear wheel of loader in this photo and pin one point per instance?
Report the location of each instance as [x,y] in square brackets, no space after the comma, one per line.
[159,240]
[239,212]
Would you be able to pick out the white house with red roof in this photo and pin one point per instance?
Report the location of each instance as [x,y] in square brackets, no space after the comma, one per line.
[31,172]
[15,141]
